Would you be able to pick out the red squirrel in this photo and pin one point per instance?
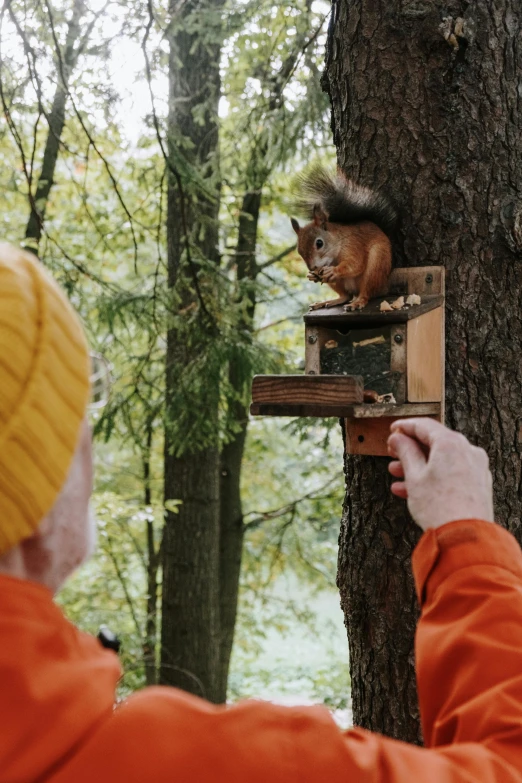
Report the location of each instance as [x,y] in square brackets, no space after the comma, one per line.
[347,244]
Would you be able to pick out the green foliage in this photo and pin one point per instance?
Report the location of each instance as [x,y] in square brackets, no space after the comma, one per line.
[104,240]
[111,589]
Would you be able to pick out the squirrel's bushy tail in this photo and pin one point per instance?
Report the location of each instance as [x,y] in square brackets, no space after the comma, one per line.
[344,201]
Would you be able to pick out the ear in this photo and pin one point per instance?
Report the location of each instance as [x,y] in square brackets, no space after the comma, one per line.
[295,225]
[320,216]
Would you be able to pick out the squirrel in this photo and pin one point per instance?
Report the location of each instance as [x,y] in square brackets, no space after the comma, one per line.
[347,244]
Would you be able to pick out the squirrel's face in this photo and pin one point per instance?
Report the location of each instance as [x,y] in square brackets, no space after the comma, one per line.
[315,244]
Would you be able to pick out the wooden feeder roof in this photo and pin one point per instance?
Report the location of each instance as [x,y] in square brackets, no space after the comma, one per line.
[334,317]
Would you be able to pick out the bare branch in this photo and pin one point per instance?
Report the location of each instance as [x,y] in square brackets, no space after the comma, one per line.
[297,318]
[278,257]
[90,137]
[125,588]
[288,508]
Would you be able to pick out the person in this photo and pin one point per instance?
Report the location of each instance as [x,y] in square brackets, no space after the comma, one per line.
[58,719]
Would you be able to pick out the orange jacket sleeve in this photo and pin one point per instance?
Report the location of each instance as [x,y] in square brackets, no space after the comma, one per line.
[469,663]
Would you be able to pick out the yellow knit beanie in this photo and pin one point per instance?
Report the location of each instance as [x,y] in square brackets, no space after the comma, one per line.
[44,390]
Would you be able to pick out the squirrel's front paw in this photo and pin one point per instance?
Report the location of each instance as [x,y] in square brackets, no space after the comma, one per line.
[329,275]
[356,304]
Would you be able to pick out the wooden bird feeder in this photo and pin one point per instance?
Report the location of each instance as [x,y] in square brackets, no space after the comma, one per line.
[398,355]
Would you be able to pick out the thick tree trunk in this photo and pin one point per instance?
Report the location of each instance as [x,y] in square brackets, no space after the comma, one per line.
[425,99]
[56,119]
[190,611]
[190,607]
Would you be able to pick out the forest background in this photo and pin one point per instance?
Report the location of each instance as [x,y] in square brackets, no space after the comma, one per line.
[86,152]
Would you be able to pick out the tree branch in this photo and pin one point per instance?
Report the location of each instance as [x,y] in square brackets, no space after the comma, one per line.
[278,257]
[90,137]
[288,508]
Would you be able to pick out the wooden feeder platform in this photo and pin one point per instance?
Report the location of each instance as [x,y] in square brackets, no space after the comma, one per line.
[398,353]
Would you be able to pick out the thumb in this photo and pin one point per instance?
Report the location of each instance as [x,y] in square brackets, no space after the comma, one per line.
[409,453]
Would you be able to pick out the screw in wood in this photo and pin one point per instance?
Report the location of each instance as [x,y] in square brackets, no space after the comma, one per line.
[429,279]
[398,338]
[312,339]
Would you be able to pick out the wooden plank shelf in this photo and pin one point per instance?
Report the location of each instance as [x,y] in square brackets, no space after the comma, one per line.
[305,395]
[371,315]
[345,411]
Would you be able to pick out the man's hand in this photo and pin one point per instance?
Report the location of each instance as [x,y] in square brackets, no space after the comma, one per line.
[445,477]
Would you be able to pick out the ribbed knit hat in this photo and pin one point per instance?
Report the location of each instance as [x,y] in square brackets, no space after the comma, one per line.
[44,390]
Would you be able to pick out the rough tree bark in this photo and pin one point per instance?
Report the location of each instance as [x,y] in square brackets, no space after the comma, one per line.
[190,605]
[425,99]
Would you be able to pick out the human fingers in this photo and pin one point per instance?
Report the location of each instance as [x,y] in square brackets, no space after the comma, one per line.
[408,451]
[396,469]
[426,431]
[398,488]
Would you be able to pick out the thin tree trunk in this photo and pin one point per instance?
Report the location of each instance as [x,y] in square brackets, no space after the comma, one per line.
[190,608]
[56,119]
[153,562]
[425,100]
[231,510]
[231,546]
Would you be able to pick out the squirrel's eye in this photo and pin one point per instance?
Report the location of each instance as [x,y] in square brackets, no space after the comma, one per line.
[319,243]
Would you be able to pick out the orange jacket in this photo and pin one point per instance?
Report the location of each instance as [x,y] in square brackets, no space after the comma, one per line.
[58,723]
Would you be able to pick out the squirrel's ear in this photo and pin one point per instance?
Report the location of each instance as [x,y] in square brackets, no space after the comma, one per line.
[295,225]
[320,216]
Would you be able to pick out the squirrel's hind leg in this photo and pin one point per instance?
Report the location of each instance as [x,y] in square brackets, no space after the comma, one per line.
[356,304]
[376,275]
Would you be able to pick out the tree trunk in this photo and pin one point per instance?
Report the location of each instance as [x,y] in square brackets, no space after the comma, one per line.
[231,548]
[425,100]
[231,509]
[190,611]
[153,562]
[231,512]
[56,120]
[190,608]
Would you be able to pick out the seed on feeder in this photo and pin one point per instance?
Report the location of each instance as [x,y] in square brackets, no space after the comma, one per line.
[371,341]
